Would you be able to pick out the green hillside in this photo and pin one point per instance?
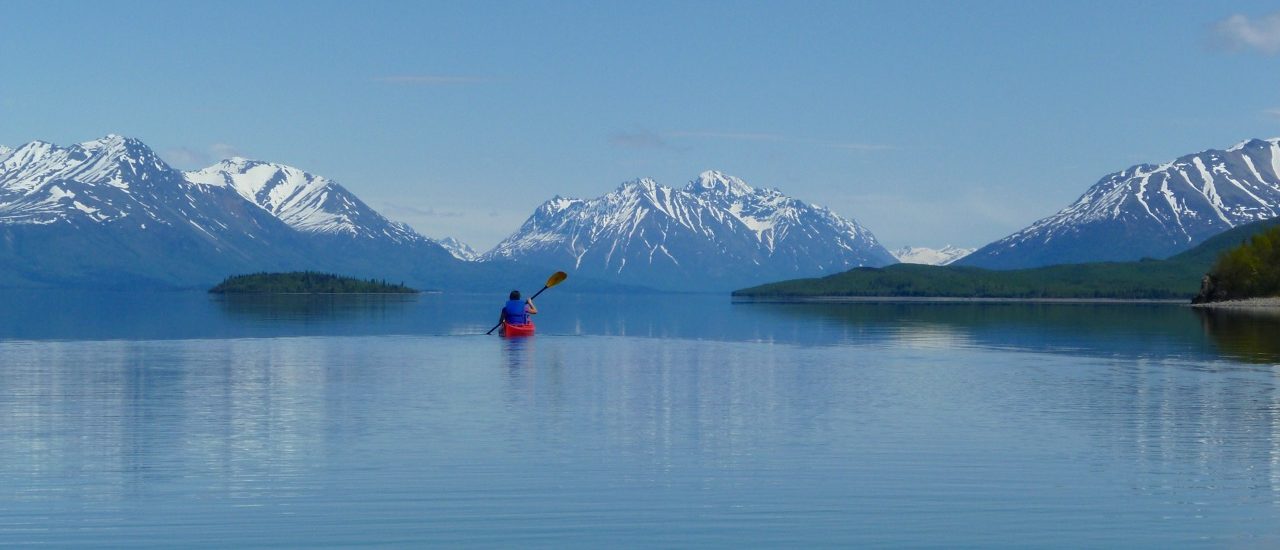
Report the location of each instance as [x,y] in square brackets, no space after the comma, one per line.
[305,282]
[1177,277]
[1251,270]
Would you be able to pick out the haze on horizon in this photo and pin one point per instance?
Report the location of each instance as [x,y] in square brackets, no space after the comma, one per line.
[930,124]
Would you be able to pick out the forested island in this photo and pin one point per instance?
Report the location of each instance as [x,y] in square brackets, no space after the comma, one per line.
[306,282]
[1177,277]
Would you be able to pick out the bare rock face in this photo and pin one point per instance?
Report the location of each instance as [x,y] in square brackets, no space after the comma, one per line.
[1209,291]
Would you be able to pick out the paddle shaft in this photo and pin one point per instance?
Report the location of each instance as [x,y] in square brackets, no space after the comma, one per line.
[535,295]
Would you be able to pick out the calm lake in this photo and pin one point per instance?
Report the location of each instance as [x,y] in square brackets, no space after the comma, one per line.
[180,420]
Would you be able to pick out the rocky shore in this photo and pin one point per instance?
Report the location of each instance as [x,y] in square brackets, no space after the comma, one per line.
[1247,303]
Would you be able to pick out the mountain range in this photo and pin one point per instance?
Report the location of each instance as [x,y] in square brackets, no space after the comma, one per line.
[1149,211]
[111,213]
[716,233]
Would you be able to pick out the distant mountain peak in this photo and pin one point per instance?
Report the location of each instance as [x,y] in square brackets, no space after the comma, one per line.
[109,140]
[1150,210]
[713,181]
[459,249]
[716,233]
[304,201]
[638,184]
[110,180]
[118,147]
[36,169]
[931,256]
[1252,142]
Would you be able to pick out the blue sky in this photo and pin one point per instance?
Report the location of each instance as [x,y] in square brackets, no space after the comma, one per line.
[929,122]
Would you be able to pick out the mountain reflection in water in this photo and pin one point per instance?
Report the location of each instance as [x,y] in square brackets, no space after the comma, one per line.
[1095,329]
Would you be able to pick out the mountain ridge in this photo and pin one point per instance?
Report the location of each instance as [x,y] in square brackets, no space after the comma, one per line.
[711,234]
[302,200]
[1150,210]
[110,213]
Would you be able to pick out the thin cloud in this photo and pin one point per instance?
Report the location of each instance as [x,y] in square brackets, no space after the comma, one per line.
[639,139]
[740,136]
[187,157]
[225,151]
[1241,32]
[861,146]
[778,138]
[397,210]
[184,157]
[430,80]
[1275,112]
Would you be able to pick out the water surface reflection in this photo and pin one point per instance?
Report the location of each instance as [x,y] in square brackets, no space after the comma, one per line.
[918,440]
[1131,330]
[1248,334]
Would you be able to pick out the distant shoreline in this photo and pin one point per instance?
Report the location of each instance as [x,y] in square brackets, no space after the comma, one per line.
[414,293]
[946,299]
[1247,303]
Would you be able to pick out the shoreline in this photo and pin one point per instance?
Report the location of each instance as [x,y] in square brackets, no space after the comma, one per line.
[1247,303]
[947,299]
[414,293]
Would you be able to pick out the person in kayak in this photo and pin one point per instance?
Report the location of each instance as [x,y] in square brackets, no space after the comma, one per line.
[517,312]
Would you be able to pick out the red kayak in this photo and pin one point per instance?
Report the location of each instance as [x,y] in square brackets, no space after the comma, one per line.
[511,330]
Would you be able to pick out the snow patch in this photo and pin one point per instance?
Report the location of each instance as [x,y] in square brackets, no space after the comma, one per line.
[931,256]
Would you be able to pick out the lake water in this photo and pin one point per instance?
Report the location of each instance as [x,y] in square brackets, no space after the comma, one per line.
[180,420]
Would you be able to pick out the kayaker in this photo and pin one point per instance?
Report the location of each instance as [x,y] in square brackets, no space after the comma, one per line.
[517,312]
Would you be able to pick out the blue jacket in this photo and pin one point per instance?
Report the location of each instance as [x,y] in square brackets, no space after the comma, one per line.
[514,314]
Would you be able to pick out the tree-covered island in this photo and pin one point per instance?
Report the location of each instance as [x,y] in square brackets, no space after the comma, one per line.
[306,282]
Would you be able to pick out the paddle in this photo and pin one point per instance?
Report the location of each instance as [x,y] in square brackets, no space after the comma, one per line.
[555,279]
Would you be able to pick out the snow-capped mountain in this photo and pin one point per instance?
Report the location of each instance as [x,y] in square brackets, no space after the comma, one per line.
[110,212]
[5,152]
[115,180]
[306,202]
[931,256]
[716,233]
[1150,210]
[459,249]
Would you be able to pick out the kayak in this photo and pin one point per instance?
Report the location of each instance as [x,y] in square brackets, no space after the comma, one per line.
[510,330]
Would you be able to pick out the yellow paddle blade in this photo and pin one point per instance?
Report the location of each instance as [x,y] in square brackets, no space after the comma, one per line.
[557,278]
